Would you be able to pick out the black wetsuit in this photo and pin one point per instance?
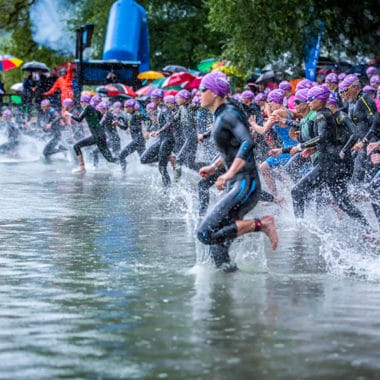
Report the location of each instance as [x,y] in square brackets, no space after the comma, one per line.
[160,150]
[298,165]
[179,137]
[54,145]
[363,112]
[233,140]
[187,154]
[113,138]
[261,148]
[134,123]
[330,170]
[13,134]
[98,134]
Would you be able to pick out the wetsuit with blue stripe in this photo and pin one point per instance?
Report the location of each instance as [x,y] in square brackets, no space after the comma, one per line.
[233,140]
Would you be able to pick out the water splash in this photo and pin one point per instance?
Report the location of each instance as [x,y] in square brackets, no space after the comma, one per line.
[345,252]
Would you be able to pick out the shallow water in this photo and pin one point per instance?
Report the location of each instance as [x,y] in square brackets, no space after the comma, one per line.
[102,278]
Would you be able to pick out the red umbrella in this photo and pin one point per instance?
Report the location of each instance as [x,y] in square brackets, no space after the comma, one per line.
[114,89]
[170,92]
[145,91]
[181,78]
[195,83]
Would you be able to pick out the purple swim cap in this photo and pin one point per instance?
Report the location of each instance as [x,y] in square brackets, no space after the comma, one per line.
[184,94]
[332,100]
[95,100]
[68,102]
[157,93]
[318,92]
[341,76]
[371,70]
[6,113]
[194,91]
[117,105]
[375,79]
[369,89]
[247,94]
[285,85]
[276,96]
[85,98]
[331,78]
[301,95]
[102,106]
[260,97]
[137,106]
[216,82]
[349,81]
[170,99]
[130,103]
[45,103]
[237,96]
[196,100]
[151,106]
[304,83]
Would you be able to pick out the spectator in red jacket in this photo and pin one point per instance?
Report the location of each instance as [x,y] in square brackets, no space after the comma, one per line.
[64,83]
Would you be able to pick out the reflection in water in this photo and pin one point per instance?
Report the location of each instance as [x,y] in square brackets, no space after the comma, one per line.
[99,280]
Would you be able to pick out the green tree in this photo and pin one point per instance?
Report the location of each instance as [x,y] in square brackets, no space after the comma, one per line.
[259,31]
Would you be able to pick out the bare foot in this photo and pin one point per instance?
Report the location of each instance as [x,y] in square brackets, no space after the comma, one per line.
[269,228]
[80,170]
[172,160]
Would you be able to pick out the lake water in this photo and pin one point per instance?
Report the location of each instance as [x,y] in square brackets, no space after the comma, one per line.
[101,277]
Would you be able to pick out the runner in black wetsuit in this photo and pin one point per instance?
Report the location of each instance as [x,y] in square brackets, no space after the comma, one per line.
[187,119]
[98,135]
[106,121]
[161,150]
[134,123]
[363,112]
[224,222]
[13,133]
[373,150]
[50,121]
[330,170]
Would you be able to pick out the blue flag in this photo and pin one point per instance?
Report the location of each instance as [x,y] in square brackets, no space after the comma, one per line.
[312,53]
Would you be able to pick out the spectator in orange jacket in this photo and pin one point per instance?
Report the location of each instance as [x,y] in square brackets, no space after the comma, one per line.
[64,83]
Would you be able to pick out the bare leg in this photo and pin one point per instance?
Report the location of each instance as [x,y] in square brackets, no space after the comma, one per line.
[266,171]
[81,169]
[267,225]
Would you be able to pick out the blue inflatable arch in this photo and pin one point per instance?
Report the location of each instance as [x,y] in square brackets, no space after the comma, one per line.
[127,35]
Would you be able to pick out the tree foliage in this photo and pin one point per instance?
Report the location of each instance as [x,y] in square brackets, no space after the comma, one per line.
[258,31]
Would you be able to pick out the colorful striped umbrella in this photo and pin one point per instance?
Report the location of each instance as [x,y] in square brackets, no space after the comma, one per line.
[8,62]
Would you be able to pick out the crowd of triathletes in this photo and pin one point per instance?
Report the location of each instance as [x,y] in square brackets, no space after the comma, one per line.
[174,132]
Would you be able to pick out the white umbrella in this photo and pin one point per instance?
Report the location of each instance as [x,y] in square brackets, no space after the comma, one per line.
[18,87]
